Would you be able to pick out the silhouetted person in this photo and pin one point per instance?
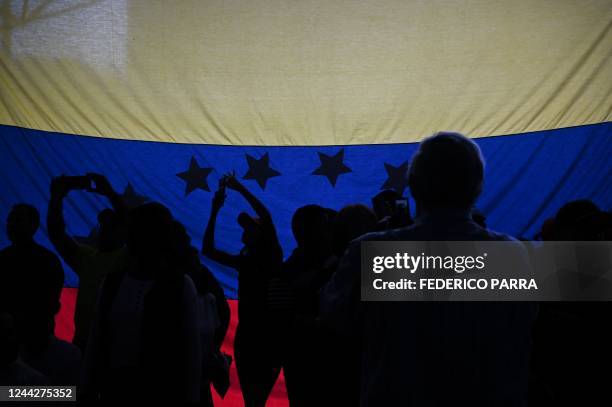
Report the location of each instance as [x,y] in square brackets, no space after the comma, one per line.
[91,264]
[391,209]
[146,340]
[213,311]
[428,353]
[352,221]
[570,217]
[308,373]
[572,338]
[31,278]
[257,358]
[32,281]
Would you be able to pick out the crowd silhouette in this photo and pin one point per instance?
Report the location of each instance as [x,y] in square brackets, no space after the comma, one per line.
[151,317]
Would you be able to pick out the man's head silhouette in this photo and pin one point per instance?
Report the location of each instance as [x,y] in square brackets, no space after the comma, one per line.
[22,223]
[149,230]
[571,217]
[251,231]
[352,222]
[311,228]
[446,172]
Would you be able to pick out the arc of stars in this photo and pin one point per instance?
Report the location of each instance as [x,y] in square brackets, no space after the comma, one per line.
[260,171]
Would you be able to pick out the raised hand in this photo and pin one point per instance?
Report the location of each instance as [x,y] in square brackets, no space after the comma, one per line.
[231,181]
[102,186]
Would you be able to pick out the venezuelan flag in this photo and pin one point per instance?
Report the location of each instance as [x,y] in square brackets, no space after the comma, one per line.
[311,101]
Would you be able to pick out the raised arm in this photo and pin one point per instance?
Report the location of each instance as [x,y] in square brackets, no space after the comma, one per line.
[269,231]
[65,246]
[259,208]
[104,188]
[208,245]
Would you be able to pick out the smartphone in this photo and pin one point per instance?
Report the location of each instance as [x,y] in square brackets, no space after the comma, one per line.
[401,203]
[78,182]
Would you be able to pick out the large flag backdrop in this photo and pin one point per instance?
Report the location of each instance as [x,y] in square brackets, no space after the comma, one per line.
[309,101]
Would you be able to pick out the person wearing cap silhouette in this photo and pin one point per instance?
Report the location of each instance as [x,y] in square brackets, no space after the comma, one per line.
[260,258]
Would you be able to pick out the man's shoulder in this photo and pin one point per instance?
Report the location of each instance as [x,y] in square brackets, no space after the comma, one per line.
[405,233]
[43,251]
[387,235]
[491,235]
[40,254]
[416,233]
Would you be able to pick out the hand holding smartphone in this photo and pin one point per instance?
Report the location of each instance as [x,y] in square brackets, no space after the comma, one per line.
[76,182]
